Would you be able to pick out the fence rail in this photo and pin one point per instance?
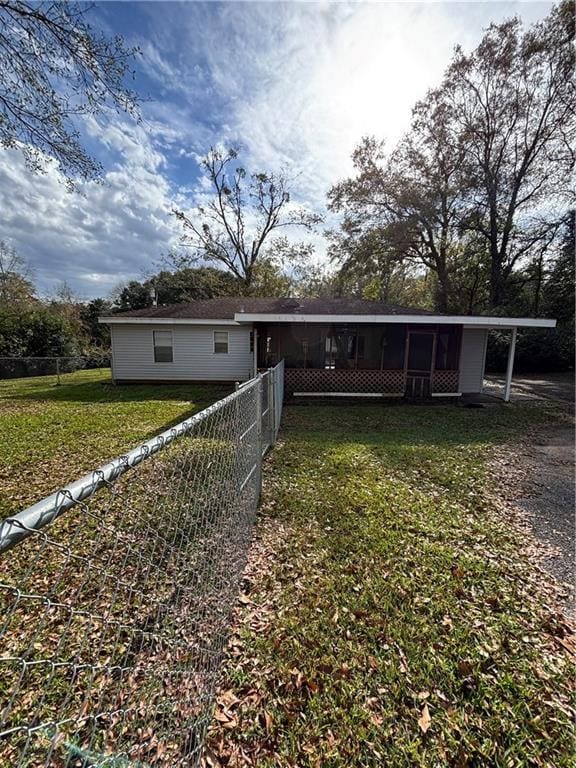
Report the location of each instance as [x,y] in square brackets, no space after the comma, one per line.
[24,367]
[116,593]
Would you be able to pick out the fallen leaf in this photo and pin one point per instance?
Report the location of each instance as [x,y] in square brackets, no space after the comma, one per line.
[457,571]
[424,720]
[244,599]
[464,668]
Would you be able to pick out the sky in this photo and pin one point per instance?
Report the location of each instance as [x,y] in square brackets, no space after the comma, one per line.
[295,85]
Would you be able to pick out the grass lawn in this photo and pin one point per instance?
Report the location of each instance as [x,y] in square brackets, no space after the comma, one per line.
[51,435]
[390,616]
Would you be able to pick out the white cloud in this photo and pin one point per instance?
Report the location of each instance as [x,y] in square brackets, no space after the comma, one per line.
[297,84]
[103,234]
[316,78]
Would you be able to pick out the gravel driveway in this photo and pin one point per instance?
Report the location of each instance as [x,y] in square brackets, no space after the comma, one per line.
[552,386]
[548,496]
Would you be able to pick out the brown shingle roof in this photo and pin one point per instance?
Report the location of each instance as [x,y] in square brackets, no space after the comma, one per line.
[226,307]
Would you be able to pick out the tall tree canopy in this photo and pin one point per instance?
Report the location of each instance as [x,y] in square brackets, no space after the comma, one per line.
[513,102]
[479,185]
[54,68]
[406,205]
[236,227]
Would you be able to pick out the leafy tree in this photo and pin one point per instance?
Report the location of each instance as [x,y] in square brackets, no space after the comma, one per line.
[234,229]
[406,206]
[36,332]
[550,350]
[559,293]
[474,192]
[16,289]
[368,269]
[190,284]
[134,295]
[175,287]
[512,101]
[54,68]
[560,288]
[97,333]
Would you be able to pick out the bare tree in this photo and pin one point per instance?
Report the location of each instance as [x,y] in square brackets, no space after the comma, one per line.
[237,226]
[53,68]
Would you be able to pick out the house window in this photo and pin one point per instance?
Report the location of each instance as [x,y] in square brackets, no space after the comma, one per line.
[163,349]
[220,342]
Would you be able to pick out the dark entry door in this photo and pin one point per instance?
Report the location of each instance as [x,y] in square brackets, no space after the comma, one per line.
[421,348]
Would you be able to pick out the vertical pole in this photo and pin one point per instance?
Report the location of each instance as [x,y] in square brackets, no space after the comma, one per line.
[57,371]
[255,339]
[259,435]
[271,407]
[510,366]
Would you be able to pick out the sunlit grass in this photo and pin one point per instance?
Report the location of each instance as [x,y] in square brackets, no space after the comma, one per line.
[53,434]
[394,619]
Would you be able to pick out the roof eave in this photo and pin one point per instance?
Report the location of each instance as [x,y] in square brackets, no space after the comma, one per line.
[139,320]
[465,320]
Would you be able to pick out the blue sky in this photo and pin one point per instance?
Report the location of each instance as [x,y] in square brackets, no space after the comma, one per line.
[296,85]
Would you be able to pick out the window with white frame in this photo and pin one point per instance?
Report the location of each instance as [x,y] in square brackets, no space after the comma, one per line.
[163,348]
[220,342]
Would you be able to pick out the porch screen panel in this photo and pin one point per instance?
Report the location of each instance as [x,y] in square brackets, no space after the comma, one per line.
[371,359]
[420,352]
[447,348]
[315,357]
[393,347]
[345,348]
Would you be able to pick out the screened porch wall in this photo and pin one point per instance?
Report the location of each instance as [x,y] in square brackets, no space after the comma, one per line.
[333,347]
[362,358]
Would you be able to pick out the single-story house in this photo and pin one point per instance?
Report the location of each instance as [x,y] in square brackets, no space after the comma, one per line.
[330,346]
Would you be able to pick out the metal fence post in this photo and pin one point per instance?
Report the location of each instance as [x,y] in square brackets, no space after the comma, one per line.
[271,407]
[259,388]
[57,371]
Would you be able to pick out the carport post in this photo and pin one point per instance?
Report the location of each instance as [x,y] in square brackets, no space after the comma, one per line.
[255,343]
[510,366]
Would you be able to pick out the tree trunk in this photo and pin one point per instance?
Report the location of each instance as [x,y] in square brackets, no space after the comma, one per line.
[496,273]
[496,282]
[442,299]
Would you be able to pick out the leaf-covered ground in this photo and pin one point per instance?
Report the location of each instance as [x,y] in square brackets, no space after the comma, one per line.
[113,618]
[391,614]
[52,435]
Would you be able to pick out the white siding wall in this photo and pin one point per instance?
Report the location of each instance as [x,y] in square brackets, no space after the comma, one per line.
[193,353]
[472,359]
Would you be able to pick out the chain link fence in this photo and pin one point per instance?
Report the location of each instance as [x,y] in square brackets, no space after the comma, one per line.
[116,593]
[24,367]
